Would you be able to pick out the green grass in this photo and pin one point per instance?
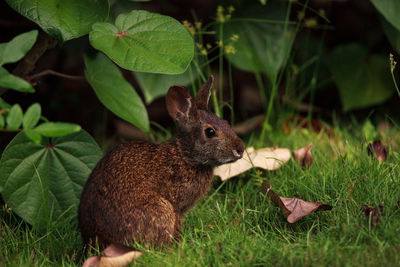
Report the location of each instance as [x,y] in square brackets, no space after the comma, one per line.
[236,224]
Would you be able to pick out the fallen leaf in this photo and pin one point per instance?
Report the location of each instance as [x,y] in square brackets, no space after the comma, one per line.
[120,261]
[303,156]
[373,214]
[114,256]
[92,262]
[265,158]
[293,208]
[377,150]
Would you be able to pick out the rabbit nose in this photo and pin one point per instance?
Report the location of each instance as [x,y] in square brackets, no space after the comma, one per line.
[238,152]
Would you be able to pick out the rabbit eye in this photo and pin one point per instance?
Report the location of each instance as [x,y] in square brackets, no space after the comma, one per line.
[210,132]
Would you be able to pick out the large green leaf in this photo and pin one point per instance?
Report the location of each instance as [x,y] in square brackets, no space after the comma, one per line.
[63,20]
[143,41]
[10,81]
[362,80]
[42,180]
[16,49]
[262,46]
[155,85]
[390,9]
[115,92]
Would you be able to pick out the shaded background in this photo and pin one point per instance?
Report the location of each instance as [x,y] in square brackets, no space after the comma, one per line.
[74,100]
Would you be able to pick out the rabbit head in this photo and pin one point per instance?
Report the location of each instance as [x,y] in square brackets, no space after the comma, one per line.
[204,138]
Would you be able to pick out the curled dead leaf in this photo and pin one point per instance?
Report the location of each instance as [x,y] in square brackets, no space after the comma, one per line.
[293,208]
[303,156]
[265,158]
[377,150]
[373,214]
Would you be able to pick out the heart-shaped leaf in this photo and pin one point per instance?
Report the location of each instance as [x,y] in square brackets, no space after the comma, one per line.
[293,208]
[63,20]
[16,49]
[10,81]
[390,9]
[32,116]
[362,80]
[115,92]
[143,41]
[41,181]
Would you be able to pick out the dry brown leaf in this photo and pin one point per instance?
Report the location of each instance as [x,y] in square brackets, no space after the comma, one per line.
[377,150]
[92,262]
[271,158]
[265,158]
[120,261]
[303,156]
[114,256]
[373,214]
[293,208]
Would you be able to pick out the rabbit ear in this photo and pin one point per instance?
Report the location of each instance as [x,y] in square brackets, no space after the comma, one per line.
[180,104]
[203,95]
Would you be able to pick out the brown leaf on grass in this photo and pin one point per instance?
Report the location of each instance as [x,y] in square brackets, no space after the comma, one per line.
[293,208]
[303,156]
[114,256]
[373,214]
[265,158]
[377,150]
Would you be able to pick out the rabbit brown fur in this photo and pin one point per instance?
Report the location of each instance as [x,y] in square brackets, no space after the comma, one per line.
[140,191]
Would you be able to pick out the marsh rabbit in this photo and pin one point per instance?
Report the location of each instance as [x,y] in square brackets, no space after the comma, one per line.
[140,191]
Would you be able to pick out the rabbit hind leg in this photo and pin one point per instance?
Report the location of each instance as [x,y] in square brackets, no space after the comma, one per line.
[152,223]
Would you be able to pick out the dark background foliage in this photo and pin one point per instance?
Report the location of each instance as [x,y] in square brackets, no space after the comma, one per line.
[73,100]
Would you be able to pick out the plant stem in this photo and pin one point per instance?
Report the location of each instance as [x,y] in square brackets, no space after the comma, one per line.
[221,67]
[231,93]
[261,87]
[55,73]
[395,83]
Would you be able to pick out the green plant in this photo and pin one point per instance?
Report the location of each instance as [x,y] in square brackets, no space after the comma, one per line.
[261,37]
[44,168]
